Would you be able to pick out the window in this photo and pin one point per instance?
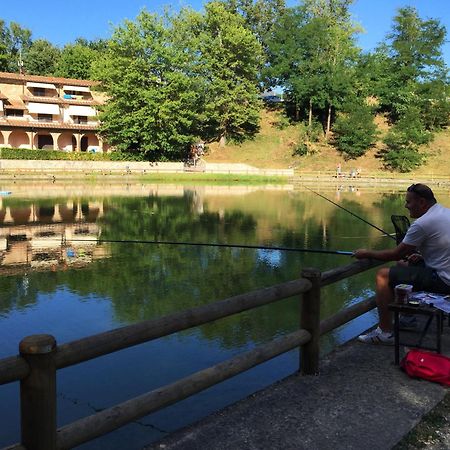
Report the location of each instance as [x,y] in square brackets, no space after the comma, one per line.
[80,119]
[45,118]
[14,112]
[38,92]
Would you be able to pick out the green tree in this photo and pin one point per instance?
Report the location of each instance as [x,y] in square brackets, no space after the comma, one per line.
[13,41]
[153,106]
[41,58]
[313,54]
[229,59]
[354,130]
[4,56]
[260,15]
[403,140]
[75,62]
[413,66]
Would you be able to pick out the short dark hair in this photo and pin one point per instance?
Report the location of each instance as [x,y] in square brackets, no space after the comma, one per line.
[422,190]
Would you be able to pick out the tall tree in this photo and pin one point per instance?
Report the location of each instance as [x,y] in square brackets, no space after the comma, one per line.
[41,58]
[76,61]
[152,103]
[413,63]
[13,41]
[229,59]
[259,15]
[313,55]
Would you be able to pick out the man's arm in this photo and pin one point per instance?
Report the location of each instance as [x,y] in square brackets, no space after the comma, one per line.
[395,254]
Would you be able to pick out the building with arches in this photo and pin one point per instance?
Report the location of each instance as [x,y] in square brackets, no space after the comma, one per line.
[49,113]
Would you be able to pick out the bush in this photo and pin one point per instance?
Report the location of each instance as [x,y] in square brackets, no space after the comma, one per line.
[355,132]
[308,136]
[23,153]
[402,143]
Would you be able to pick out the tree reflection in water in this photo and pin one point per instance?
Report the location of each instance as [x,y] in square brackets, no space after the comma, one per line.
[128,283]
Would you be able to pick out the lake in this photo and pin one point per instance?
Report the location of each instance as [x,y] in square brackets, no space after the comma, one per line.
[61,276]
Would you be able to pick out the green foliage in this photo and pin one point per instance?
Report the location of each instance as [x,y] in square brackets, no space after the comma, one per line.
[260,16]
[282,122]
[41,58]
[228,59]
[172,79]
[355,131]
[411,72]
[13,39]
[76,61]
[29,154]
[312,54]
[403,141]
[152,107]
[308,135]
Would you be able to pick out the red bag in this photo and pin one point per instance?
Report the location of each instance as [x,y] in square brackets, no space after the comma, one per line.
[427,365]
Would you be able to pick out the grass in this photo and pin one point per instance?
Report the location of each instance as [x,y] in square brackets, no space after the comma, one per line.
[433,430]
[184,178]
[274,147]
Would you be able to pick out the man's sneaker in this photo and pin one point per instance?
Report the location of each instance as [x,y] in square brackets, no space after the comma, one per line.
[377,336]
[407,322]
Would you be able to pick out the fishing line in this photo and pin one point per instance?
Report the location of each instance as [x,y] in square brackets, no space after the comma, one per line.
[352,213]
[202,244]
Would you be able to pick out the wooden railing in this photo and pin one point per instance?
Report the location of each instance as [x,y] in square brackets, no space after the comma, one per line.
[39,358]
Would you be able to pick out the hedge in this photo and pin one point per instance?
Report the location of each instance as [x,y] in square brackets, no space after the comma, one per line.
[23,153]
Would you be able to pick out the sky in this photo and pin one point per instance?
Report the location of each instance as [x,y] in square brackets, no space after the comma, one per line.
[62,21]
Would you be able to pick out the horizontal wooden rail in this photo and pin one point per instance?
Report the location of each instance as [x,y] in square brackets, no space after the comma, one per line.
[88,428]
[15,368]
[120,338]
[347,314]
[12,369]
[109,419]
[339,273]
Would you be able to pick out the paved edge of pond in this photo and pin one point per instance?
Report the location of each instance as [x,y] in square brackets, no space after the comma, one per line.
[361,400]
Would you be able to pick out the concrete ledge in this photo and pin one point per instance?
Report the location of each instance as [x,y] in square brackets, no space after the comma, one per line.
[131,167]
[361,400]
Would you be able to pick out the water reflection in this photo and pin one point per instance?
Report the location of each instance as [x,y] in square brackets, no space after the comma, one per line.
[48,237]
[59,277]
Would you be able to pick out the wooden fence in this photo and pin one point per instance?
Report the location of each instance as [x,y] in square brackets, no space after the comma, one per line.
[40,357]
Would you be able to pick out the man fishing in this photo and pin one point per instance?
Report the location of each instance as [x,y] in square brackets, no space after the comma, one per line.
[429,235]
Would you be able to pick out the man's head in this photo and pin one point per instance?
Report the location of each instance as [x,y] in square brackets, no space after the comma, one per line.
[419,199]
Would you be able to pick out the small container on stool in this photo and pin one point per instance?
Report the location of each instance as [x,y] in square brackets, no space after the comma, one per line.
[402,293]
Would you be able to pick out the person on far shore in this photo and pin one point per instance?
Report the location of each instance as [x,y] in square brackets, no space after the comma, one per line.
[430,236]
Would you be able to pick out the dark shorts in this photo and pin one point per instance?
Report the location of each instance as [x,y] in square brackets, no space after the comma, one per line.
[422,278]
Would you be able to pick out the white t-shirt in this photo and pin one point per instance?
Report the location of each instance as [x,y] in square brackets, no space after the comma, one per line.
[430,233]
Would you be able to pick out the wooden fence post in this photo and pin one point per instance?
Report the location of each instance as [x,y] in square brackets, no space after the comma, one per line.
[38,393]
[310,321]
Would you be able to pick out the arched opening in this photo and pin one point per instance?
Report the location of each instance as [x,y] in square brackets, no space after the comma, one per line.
[45,141]
[90,143]
[84,143]
[2,140]
[66,142]
[19,139]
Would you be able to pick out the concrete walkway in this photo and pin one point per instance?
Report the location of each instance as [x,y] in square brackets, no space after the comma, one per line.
[360,401]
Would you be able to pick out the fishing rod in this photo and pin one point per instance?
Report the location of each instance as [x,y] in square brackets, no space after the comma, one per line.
[352,213]
[202,244]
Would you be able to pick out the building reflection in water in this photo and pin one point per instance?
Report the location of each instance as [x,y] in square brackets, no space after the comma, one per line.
[52,237]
